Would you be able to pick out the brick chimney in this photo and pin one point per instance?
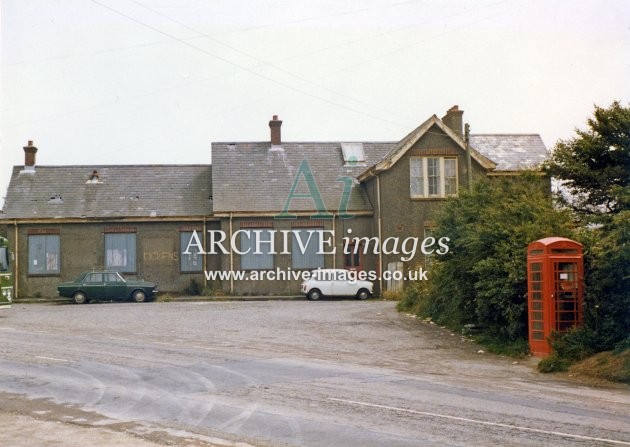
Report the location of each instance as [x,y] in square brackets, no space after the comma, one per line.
[29,156]
[454,120]
[275,125]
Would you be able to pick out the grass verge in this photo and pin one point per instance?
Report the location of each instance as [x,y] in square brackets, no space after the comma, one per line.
[610,366]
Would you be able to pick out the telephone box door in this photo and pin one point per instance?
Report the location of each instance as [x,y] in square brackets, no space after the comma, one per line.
[566,296]
[538,317]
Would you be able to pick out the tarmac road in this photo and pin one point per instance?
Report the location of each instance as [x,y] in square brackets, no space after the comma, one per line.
[274,373]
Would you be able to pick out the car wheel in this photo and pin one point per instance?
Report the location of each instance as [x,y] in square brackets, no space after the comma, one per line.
[314,294]
[79,298]
[363,294]
[139,296]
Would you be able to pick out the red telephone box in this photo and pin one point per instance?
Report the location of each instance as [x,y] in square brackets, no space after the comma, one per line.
[555,290]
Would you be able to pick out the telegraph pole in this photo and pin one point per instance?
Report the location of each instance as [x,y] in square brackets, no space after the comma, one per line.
[468,161]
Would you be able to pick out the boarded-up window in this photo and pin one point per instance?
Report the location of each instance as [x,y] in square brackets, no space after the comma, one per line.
[120,252]
[43,254]
[192,262]
[304,247]
[251,260]
[394,281]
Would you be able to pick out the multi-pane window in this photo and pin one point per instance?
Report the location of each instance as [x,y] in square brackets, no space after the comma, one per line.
[432,177]
[252,260]
[450,176]
[192,262]
[304,247]
[416,172]
[120,252]
[43,254]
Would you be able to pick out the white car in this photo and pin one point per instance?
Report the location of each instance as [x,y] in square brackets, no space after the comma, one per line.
[336,282]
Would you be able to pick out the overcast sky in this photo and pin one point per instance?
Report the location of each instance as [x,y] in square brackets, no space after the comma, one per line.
[156,81]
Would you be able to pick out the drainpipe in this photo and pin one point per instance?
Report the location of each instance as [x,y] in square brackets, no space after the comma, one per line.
[231,260]
[205,256]
[380,233]
[334,243]
[468,162]
[17,256]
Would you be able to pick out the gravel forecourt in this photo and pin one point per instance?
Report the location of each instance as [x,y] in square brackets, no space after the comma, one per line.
[276,373]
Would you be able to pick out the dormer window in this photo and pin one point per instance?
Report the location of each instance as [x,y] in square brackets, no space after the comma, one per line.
[94,177]
[55,200]
[353,153]
[431,177]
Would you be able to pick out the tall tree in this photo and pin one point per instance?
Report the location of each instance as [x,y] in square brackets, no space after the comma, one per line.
[595,165]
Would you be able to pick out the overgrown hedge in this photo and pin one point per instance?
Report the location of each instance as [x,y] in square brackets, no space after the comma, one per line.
[482,280]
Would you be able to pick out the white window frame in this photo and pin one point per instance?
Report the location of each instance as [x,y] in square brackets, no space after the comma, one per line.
[425,178]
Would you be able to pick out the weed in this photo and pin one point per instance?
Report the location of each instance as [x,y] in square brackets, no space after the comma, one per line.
[193,288]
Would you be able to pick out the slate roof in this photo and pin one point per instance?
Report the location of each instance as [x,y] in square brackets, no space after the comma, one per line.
[253,177]
[511,152]
[122,191]
[400,148]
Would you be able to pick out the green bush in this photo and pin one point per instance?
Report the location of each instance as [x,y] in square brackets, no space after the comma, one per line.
[575,344]
[607,297]
[623,345]
[607,289]
[482,280]
[414,298]
[553,363]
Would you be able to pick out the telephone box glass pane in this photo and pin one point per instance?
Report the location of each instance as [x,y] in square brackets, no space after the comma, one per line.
[566,305]
[536,266]
[537,305]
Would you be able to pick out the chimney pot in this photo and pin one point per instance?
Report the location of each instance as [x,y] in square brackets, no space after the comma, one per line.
[29,155]
[274,126]
[454,120]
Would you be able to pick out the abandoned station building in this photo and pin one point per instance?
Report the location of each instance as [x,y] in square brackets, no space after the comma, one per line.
[62,220]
